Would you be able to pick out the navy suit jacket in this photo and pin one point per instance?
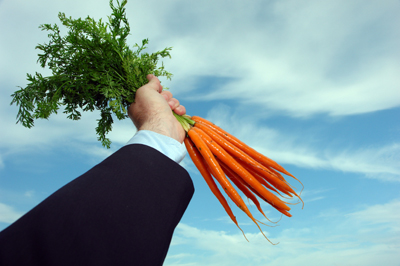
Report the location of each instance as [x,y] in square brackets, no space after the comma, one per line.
[121,212]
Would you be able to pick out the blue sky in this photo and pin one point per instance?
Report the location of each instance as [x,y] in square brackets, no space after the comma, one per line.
[312,84]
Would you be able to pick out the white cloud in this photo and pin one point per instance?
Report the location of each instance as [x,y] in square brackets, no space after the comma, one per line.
[366,237]
[8,214]
[313,195]
[380,216]
[298,58]
[58,131]
[29,193]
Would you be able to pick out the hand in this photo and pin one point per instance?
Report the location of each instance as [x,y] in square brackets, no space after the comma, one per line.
[152,110]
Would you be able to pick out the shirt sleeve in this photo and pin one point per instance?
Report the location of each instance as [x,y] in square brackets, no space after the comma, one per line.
[170,147]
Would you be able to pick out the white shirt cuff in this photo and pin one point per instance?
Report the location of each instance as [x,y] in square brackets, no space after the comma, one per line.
[170,147]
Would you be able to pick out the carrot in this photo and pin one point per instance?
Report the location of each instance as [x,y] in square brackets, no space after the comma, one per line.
[256,166]
[241,145]
[240,184]
[217,172]
[215,168]
[260,178]
[267,162]
[285,212]
[277,174]
[286,188]
[262,197]
[201,166]
[243,173]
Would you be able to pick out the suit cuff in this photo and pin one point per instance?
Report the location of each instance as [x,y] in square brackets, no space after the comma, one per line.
[170,147]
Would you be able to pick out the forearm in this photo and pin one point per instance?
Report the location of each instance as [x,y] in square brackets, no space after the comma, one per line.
[121,212]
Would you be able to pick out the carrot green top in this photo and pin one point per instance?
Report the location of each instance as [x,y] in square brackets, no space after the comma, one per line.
[92,69]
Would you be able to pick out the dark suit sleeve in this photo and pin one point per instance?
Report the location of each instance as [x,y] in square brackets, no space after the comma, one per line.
[121,212]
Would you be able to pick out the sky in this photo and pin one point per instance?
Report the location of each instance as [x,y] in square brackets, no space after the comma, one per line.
[311,84]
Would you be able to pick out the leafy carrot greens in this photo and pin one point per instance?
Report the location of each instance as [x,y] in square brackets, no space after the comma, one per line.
[92,67]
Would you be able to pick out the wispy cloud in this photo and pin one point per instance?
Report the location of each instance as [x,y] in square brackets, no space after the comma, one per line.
[8,214]
[58,132]
[360,238]
[299,58]
[29,193]
[310,65]
[337,59]
[379,216]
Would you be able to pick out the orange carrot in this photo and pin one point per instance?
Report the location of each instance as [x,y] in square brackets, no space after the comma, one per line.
[258,194]
[256,166]
[215,168]
[241,145]
[243,173]
[201,166]
[260,178]
[267,162]
[276,173]
[217,172]
[242,186]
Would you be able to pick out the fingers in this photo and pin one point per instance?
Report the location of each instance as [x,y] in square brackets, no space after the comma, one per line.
[173,103]
[154,83]
[180,110]
[167,95]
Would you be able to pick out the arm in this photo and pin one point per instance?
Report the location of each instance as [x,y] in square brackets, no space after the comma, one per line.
[121,212]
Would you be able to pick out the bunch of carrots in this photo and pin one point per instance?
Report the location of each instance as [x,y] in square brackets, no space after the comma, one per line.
[219,154]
